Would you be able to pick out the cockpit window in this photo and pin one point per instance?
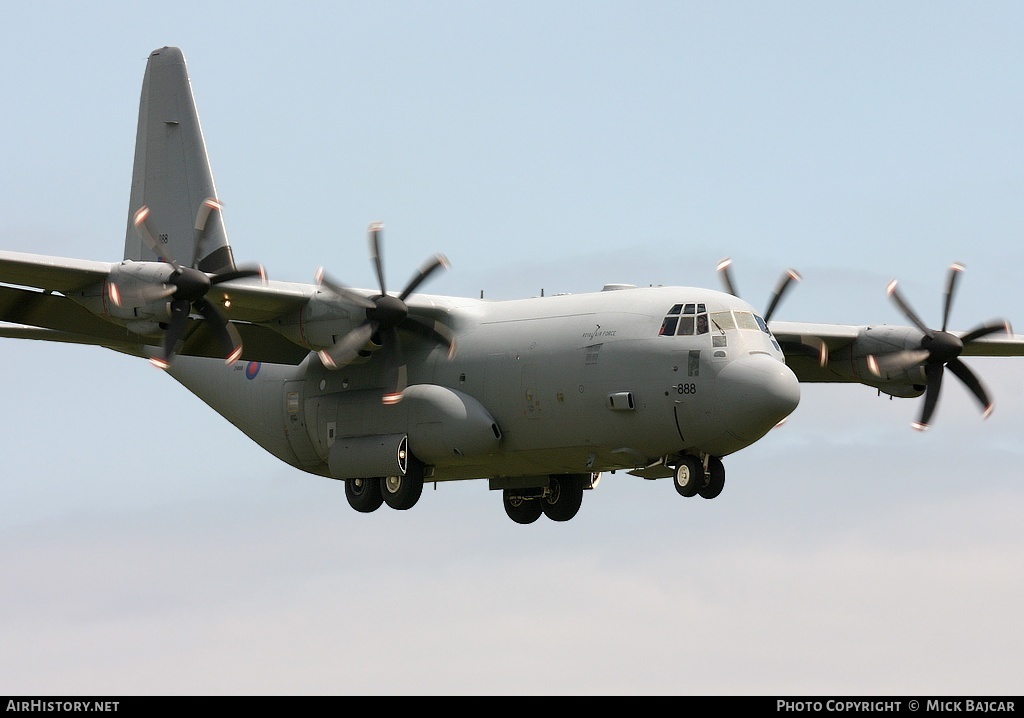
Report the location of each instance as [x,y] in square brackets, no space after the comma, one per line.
[745,320]
[684,320]
[762,325]
[723,320]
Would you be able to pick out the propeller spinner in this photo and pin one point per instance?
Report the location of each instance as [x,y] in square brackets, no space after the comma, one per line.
[939,350]
[385,316]
[187,289]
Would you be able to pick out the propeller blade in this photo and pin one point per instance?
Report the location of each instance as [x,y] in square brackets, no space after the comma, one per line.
[954,274]
[973,383]
[208,205]
[907,311]
[344,292]
[788,277]
[347,348]
[142,227]
[396,375]
[180,309]
[223,330]
[931,395]
[430,266]
[432,330]
[240,273]
[897,361]
[375,232]
[985,329]
[818,348]
[726,275]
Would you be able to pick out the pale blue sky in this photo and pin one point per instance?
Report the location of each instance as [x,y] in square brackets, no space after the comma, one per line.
[148,547]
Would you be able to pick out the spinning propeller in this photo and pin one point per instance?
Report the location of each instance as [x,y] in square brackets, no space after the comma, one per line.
[809,345]
[187,288]
[385,315]
[939,350]
[785,281]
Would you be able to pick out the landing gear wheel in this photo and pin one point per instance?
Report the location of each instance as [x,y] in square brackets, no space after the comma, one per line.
[519,508]
[363,494]
[689,476]
[402,492]
[716,482]
[564,496]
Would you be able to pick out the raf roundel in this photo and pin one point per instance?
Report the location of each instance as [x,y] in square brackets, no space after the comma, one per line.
[252,369]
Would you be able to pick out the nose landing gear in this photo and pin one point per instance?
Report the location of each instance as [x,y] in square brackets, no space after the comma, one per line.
[693,476]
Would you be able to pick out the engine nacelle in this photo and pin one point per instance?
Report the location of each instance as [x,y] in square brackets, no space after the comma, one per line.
[863,361]
[321,322]
[111,298]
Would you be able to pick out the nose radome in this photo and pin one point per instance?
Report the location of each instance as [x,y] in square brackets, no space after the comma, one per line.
[755,393]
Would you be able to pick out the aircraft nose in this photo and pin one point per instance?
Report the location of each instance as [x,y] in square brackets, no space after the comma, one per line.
[756,392]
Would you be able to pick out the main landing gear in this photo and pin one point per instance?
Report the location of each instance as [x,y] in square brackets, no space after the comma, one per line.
[692,477]
[560,500]
[398,492]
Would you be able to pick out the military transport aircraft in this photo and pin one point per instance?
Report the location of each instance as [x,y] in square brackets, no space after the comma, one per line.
[387,390]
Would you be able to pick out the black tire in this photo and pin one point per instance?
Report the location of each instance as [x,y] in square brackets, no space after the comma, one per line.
[520,509]
[716,482]
[689,476]
[402,492]
[563,498]
[363,494]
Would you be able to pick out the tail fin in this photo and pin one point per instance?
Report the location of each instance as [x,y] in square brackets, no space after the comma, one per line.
[172,174]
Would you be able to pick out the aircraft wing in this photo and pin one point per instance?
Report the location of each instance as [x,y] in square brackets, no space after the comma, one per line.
[46,315]
[253,300]
[801,342]
[57,274]
[58,313]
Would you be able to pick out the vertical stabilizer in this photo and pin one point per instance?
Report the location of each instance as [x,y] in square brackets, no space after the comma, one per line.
[172,174]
